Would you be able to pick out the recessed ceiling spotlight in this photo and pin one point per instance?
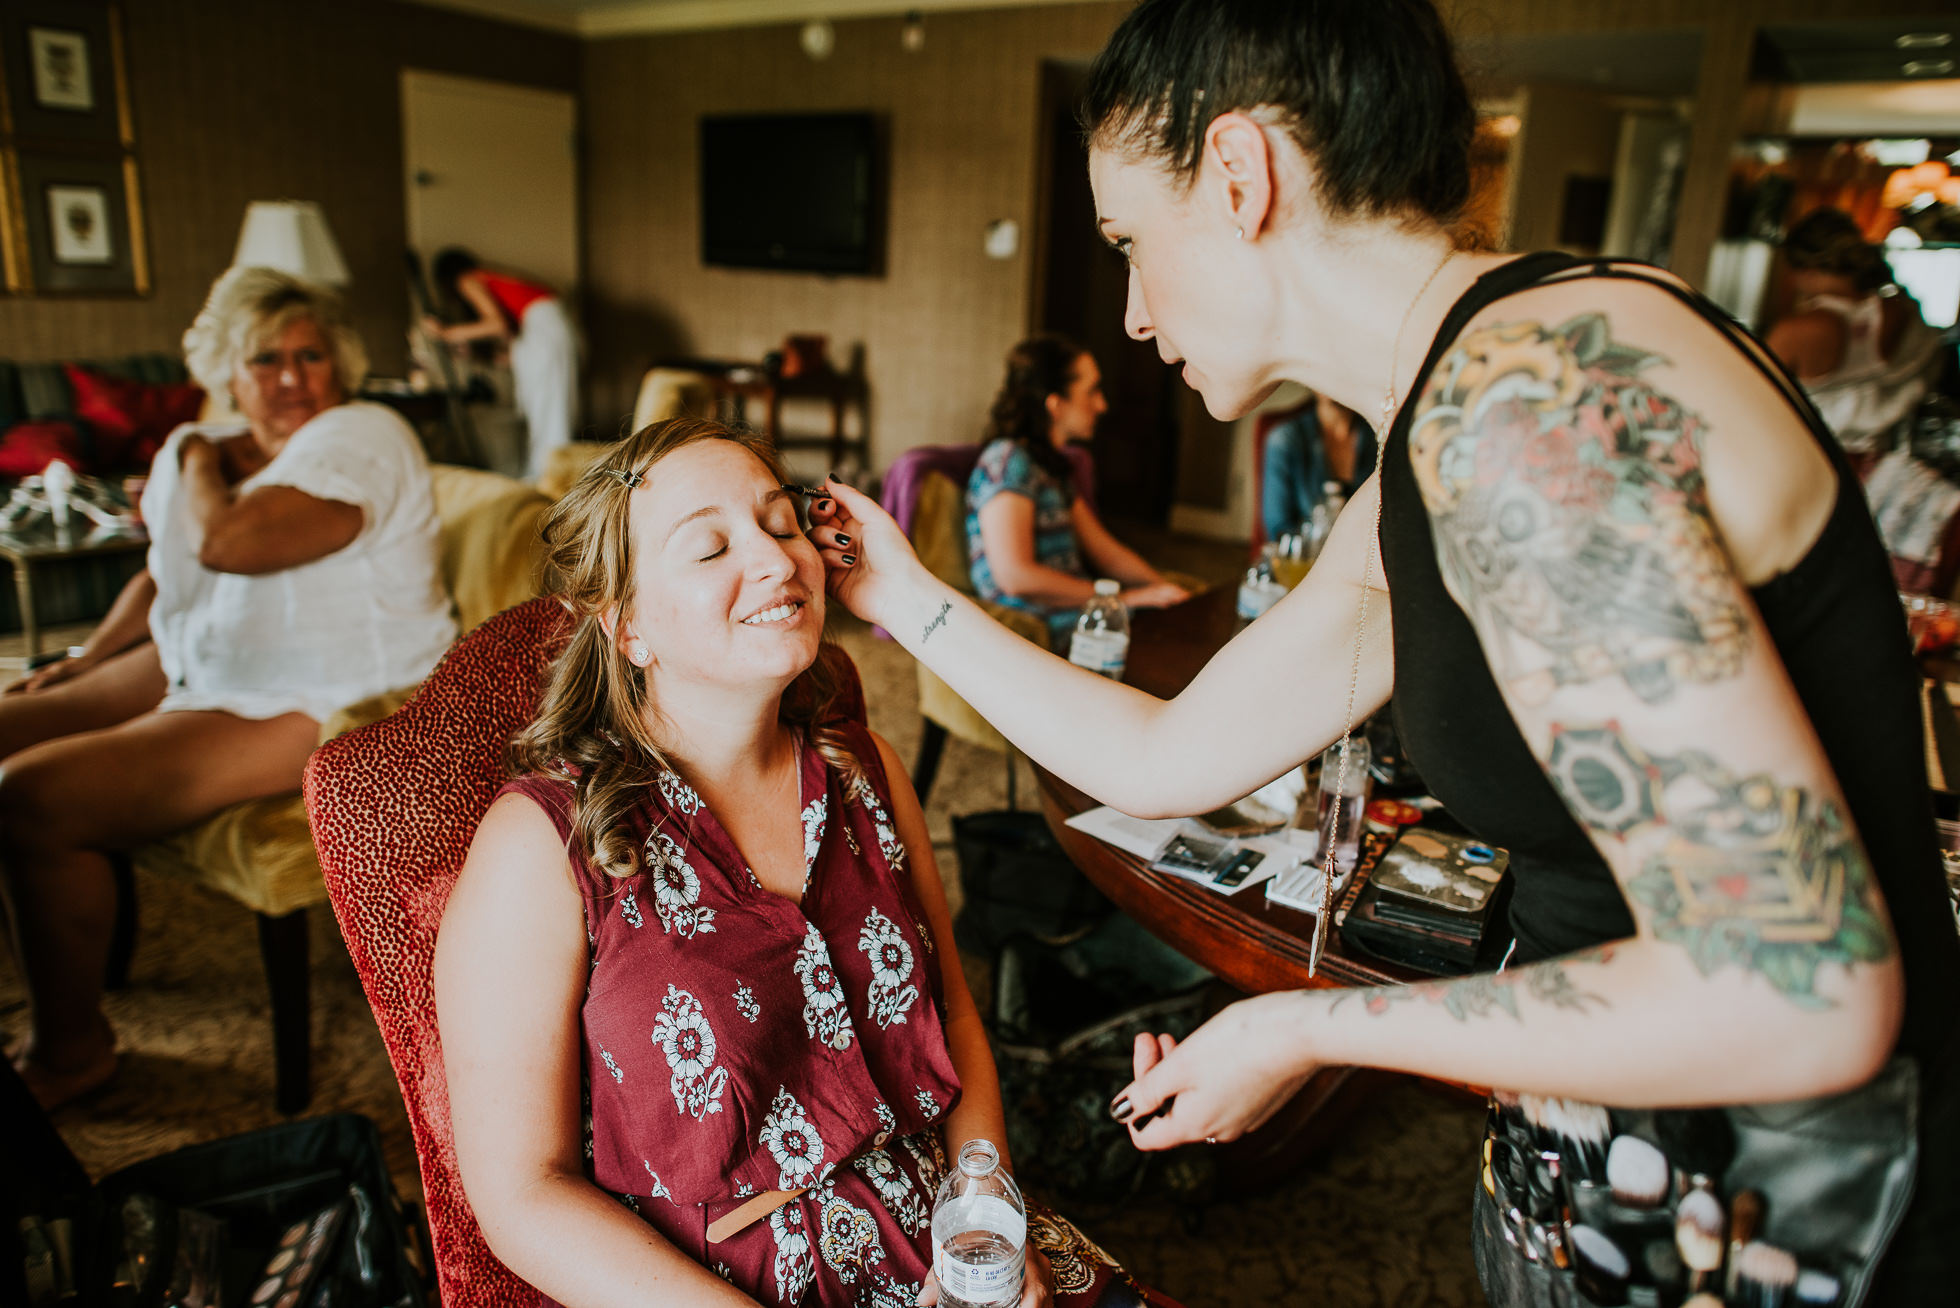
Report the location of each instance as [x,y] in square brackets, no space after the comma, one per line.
[819,38]
[1926,67]
[913,35]
[1923,40]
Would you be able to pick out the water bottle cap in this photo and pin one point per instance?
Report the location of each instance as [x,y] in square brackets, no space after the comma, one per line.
[1108,586]
[979,1157]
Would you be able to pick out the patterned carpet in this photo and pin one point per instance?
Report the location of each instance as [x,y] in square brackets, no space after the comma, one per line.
[1381,1219]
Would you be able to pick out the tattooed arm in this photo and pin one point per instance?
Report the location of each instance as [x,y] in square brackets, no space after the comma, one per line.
[1572,523]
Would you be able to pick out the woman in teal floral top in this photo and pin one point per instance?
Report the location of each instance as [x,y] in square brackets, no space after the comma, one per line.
[1039,546]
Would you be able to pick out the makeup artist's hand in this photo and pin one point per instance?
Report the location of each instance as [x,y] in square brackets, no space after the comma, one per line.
[866,557]
[1227,1077]
[1037,1287]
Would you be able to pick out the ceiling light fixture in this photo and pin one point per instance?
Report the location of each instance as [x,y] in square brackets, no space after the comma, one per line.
[819,38]
[1926,67]
[1923,40]
[913,35]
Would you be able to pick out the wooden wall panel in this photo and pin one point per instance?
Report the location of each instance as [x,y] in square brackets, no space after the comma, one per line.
[238,100]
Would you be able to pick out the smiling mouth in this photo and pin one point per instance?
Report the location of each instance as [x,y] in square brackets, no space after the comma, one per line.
[775,613]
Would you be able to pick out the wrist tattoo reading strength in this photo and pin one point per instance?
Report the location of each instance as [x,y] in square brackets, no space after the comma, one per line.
[938,621]
[1748,872]
[1571,513]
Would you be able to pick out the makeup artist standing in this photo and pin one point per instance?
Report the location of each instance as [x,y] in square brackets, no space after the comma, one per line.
[1641,633]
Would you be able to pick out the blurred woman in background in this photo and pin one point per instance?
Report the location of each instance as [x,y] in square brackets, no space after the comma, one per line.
[529,318]
[293,569]
[1033,541]
[1854,339]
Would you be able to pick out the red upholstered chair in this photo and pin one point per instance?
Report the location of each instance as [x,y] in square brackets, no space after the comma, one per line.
[394,806]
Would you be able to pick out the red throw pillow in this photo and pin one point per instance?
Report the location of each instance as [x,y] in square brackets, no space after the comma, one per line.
[130,419]
[28,447]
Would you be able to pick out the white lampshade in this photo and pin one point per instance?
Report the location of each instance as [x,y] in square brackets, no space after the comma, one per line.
[292,236]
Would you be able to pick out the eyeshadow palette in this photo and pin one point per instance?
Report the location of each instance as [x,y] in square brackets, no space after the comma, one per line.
[305,1249]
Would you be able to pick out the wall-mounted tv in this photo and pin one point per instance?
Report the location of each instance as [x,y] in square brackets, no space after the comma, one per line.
[791,191]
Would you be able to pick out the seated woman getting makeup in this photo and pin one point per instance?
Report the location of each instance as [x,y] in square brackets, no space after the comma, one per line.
[700,951]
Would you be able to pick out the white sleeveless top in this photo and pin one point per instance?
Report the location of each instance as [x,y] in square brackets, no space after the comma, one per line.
[1866,394]
[371,616]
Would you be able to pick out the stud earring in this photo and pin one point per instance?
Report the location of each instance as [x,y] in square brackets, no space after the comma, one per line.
[1241,232]
[638,653]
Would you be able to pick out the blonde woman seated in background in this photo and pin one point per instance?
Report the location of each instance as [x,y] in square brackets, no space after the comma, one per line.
[293,569]
[708,907]
[1033,541]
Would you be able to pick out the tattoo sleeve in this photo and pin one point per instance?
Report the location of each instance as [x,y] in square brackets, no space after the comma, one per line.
[1480,996]
[1570,511]
[1572,524]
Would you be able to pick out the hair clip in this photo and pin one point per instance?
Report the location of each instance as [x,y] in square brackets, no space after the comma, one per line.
[630,480]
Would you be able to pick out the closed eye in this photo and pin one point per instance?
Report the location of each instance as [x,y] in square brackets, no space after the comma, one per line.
[710,558]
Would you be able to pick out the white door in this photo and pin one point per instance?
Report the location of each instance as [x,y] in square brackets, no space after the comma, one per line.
[493,167]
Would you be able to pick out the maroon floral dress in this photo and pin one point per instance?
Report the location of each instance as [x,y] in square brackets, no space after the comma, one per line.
[738,1042]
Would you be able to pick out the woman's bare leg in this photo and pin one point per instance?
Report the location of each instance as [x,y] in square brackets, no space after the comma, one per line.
[119,689]
[64,803]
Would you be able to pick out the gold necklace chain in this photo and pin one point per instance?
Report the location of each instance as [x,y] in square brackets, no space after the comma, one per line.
[1390,410]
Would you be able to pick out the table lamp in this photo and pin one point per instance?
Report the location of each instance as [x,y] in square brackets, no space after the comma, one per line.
[292,236]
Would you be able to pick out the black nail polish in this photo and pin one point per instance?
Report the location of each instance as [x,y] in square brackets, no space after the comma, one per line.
[849,559]
[1121,1109]
[823,506]
[842,540]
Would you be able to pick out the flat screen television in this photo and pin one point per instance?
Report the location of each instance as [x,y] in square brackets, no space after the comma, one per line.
[791,191]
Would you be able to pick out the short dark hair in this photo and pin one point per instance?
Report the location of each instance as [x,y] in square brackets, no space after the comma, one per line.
[1830,240]
[1369,89]
[1037,368]
[451,264]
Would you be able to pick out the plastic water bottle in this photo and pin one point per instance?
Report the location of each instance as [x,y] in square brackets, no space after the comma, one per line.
[1342,801]
[1102,633]
[979,1232]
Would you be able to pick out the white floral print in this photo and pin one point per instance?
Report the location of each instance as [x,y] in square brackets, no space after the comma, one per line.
[676,889]
[931,1168]
[847,1238]
[743,1190]
[851,843]
[791,1141]
[617,1075]
[813,820]
[679,795]
[824,1015]
[900,1197]
[659,1190]
[888,841]
[887,1123]
[745,1001]
[684,1036]
[927,1104]
[794,1264]
[888,997]
[925,935]
[629,908]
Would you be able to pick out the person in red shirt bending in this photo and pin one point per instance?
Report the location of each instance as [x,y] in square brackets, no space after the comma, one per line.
[544,351]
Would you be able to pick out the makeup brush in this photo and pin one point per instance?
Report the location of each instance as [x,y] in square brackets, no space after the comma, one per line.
[1577,1130]
[1766,1275]
[1698,1226]
[1816,1289]
[1600,1267]
[1637,1171]
[1699,1142]
[1745,1223]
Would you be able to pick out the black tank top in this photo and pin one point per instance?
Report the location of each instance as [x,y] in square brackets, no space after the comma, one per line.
[1835,621]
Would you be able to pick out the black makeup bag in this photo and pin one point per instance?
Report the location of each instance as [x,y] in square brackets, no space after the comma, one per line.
[303,1215]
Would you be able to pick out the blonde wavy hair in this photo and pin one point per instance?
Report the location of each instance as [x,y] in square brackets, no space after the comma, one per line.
[593,719]
[249,307]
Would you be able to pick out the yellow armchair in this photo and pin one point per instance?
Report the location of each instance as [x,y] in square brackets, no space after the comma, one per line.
[260,853]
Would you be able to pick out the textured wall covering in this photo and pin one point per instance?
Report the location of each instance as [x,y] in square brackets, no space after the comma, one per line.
[237,100]
[963,134]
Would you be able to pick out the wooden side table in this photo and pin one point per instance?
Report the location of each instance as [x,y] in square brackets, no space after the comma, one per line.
[38,547]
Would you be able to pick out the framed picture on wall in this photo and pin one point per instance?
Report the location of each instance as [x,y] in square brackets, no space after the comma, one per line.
[62,72]
[75,225]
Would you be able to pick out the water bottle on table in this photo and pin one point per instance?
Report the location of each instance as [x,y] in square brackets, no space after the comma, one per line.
[979,1232]
[1343,797]
[1102,633]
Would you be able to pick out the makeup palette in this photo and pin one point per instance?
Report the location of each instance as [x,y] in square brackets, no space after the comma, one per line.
[305,1249]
